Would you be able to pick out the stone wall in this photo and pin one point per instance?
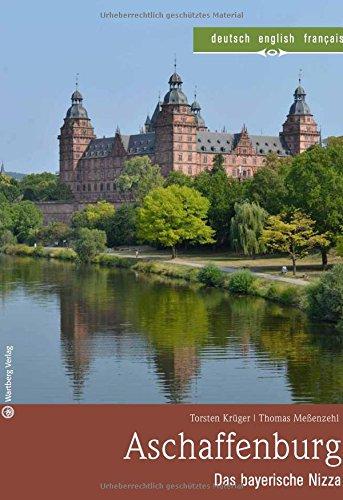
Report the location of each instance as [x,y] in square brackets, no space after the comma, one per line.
[58,211]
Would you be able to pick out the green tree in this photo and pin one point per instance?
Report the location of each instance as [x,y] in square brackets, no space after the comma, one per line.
[23,219]
[123,229]
[99,215]
[246,228]
[7,238]
[218,164]
[292,234]
[178,178]
[315,186]
[325,298]
[54,232]
[222,193]
[174,215]
[267,187]
[27,219]
[44,187]
[89,243]
[9,189]
[138,177]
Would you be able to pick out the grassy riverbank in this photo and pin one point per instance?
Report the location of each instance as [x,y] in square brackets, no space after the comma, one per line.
[241,282]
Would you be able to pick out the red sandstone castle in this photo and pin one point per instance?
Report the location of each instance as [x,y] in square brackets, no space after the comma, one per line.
[175,138]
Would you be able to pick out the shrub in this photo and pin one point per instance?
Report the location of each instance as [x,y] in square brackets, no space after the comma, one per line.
[7,238]
[211,276]
[62,254]
[325,298]
[284,294]
[21,249]
[241,281]
[39,251]
[89,243]
[106,259]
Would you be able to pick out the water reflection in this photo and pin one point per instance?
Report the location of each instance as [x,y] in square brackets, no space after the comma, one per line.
[132,338]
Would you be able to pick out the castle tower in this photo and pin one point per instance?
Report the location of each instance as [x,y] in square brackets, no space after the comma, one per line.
[300,130]
[76,134]
[176,131]
[196,109]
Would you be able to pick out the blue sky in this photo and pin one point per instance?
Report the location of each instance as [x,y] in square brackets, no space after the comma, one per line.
[124,64]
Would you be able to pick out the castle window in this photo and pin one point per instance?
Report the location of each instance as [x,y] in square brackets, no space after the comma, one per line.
[205,159]
[222,149]
[95,187]
[244,151]
[212,148]
[266,143]
[84,187]
[203,148]
[108,186]
[233,160]
[257,143]
[261,151]
[78,187]
[190,170]
[218,141]
[101,187]
[89,187]
[189,138]
[254,161]
[278,151]
[189,157]
[244,161]
[180,157]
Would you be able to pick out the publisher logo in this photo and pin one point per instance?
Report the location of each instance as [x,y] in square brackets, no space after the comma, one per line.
[7,412]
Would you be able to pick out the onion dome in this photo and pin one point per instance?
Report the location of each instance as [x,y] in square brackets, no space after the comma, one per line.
[76,109]
[299,106]
[195,106]
[175,79]
[175,94]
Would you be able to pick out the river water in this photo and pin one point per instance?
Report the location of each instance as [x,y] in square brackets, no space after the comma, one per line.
[93,335]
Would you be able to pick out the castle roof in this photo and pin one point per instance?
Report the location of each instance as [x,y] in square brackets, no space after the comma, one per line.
[299,106]
[220,142]
[76,109]
[207,142]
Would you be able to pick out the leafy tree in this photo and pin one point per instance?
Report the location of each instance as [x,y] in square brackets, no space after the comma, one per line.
[178,178]
[95,216]
[23,219]
[315,186]
[138,177]
[246,228]
[89,243]
[292,234]
[44,187]
[173,215]
[9,189]
[54,232]
[7,238]
[222,193]
[218,164]
[267,187]
[123,227]
[325,298]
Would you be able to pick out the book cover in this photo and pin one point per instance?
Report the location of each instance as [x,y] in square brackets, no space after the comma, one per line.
[171,249]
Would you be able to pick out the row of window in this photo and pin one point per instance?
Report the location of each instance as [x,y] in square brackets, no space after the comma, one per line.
[108,186]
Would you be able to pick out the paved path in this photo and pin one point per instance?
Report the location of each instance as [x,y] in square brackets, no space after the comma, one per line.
[225,269]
